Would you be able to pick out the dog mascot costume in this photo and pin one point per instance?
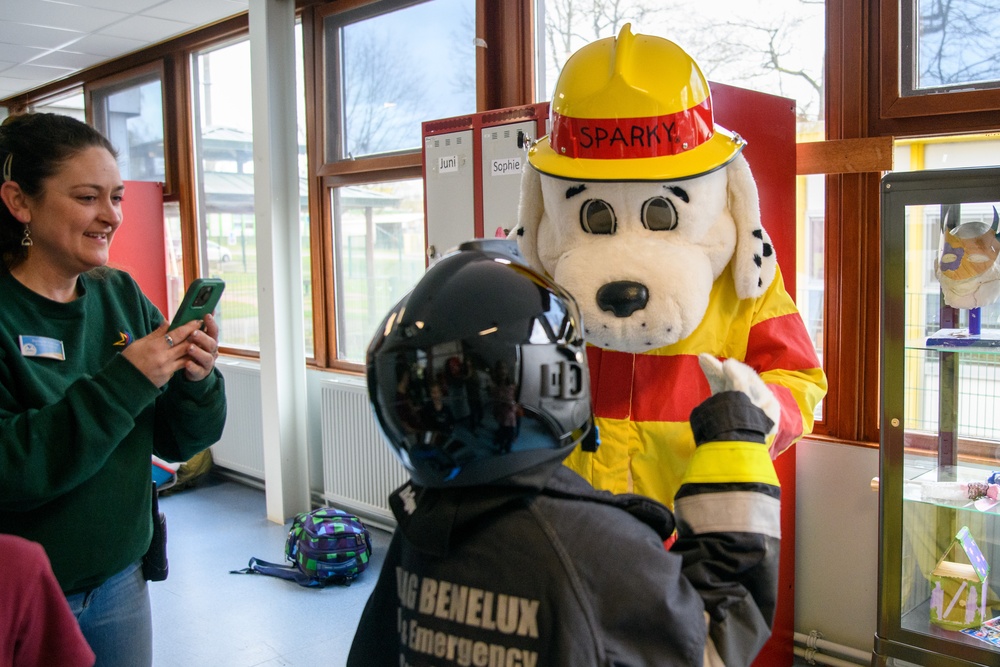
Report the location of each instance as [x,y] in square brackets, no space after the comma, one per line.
[646,211]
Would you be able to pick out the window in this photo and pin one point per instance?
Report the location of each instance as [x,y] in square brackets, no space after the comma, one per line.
[67,104]
[227,234]
[392,77]
[949,45]
[224,165]
[379,240]
[934,57]
[130,114]
[378,91]
[774,46]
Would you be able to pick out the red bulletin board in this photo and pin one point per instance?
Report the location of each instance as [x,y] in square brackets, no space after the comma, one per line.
[767,123]
[139,244]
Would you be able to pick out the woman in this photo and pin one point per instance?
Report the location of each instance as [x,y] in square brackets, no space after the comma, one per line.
[91,381]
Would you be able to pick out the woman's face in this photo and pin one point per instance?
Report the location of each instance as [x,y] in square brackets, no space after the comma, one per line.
[75,217]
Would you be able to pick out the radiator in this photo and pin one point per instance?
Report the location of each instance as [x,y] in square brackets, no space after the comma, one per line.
[241,447]
[359,470]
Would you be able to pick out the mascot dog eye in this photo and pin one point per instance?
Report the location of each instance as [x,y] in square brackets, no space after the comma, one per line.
[597,217]
[659,214]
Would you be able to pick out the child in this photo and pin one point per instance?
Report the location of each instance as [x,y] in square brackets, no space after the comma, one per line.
[507,557]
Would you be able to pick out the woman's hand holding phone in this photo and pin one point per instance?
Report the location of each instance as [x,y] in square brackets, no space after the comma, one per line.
[162,353]
[202,349]
[190,341]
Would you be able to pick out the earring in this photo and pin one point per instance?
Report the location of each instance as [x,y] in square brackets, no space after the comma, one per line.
[26,239]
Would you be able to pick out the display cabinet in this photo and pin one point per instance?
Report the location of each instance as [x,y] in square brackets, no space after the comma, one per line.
[939,522]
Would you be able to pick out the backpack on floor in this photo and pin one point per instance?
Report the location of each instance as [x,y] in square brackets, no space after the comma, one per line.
[325,546]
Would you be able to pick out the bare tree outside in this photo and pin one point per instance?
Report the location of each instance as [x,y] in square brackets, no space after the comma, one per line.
[749,43]
[958,43]
[762,50]
[382,96]
[571,24]
[387,85]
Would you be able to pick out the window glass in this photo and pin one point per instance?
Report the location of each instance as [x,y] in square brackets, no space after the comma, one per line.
[773,46]
[227,225]
[393,77]
[175,257]
[131,116]
[378,256]
[224,161]
[67,105]
[949,45]
[303,163]
[810,261]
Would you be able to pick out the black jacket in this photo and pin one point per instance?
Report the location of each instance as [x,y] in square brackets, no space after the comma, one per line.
[543,570]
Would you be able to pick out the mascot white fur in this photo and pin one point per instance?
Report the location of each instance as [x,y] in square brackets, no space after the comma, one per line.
[646,211]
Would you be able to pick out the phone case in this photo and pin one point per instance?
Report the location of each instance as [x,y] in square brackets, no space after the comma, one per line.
[201,298]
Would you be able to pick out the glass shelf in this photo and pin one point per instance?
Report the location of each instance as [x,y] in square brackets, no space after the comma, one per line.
[940,486]
[959,340]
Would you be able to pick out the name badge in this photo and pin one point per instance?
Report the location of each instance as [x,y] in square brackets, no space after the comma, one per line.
[40,346]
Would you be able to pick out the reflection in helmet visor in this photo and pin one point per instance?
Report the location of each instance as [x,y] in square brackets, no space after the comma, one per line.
[463,401]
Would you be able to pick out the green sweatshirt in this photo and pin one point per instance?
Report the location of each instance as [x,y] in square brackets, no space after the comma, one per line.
[76,434]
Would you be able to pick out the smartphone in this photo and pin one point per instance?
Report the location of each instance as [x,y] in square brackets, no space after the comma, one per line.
[201,298]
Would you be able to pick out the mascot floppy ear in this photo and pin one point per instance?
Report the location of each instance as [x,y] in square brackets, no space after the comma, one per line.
[754,262]
[529,216]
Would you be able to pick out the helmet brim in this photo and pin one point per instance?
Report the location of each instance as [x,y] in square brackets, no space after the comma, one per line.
[721,149]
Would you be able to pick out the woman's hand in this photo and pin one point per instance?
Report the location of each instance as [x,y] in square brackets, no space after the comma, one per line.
[162,353]
[202,349]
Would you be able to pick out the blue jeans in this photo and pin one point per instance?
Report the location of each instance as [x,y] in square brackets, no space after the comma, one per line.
[116,619]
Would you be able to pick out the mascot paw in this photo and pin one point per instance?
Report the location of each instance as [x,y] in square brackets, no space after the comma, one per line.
[733,375]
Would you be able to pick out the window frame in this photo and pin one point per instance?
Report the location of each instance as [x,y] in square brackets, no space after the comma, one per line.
[916,112]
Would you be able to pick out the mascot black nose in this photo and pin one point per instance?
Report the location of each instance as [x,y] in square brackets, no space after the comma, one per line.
[623,297]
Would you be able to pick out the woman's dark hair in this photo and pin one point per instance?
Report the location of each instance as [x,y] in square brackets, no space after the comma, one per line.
[33,146]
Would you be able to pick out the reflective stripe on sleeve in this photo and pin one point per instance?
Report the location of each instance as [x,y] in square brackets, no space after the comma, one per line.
[731,512]
[721,462]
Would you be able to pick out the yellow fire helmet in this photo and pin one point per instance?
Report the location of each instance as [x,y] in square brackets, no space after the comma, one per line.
[632,108]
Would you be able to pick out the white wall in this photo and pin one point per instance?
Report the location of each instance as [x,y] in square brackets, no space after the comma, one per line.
[836,542]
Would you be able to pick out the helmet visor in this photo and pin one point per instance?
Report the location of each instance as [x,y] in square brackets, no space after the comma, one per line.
[511,390]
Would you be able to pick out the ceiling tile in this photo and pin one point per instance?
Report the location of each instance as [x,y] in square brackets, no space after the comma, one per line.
[31,72]
[10,87]
[147,29]
[196,11]
[68,59]
[29,35]
[18,54]
[46,14]
[106,45]
[130,7]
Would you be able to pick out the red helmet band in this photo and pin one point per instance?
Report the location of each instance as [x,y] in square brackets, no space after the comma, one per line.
[630,138]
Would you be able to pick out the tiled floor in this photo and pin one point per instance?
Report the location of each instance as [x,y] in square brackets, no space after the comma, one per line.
[203,616]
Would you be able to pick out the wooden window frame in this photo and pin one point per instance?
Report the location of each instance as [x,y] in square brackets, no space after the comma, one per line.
[892,104]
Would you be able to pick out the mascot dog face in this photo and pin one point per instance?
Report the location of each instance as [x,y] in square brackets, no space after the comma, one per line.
[641,257]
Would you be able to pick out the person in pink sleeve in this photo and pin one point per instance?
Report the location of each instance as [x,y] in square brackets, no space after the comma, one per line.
[37,628]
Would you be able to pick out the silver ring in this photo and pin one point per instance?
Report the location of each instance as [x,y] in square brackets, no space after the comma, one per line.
[170,341]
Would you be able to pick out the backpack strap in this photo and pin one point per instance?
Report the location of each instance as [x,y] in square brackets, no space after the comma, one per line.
[288,572]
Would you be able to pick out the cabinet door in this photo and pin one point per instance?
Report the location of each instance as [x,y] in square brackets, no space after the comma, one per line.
[940,529]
